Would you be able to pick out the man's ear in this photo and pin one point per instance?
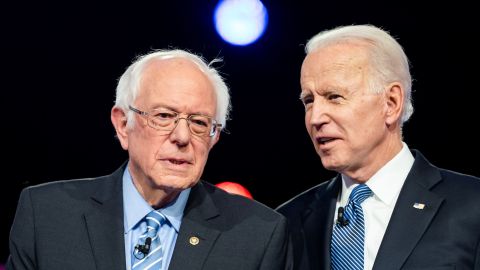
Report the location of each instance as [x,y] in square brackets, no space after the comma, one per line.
[119,121]
[215,139]
[394,98]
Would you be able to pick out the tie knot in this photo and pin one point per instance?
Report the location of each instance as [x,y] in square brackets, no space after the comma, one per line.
[360,193]
[155,219]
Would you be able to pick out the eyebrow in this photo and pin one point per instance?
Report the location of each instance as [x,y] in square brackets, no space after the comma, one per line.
[161,106]
[305,93]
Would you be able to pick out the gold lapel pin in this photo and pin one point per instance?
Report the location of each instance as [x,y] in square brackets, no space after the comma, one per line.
[420,206]
[194,240]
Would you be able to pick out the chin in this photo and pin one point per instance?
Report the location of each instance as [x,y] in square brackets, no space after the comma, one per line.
[331,165]
[176,183]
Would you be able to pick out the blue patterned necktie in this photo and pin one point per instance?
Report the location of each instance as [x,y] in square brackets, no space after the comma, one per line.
[347,245]
[153,259]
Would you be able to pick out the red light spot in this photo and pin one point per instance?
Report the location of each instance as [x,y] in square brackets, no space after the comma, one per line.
[235,188]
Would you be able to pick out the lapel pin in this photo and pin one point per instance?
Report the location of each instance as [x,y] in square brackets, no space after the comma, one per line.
[420,206]
[194,240]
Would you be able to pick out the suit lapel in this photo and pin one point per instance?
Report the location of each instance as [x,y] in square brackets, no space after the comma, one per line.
[317,219]
[408,223]
[104,223]
[196,237]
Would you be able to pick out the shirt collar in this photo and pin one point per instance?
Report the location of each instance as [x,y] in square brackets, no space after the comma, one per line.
[136,208]
[387,182]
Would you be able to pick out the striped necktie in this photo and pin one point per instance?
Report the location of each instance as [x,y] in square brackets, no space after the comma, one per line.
[347,244]
[153,259]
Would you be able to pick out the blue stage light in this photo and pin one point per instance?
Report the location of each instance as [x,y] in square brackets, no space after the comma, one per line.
[240,22]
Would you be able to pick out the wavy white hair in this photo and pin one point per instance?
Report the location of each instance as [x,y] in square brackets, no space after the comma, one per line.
[388,60]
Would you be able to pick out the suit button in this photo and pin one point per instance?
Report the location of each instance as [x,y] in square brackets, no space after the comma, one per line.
[194,240]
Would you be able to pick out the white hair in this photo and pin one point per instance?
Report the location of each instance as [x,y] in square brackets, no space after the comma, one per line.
[129,82]
[388,60]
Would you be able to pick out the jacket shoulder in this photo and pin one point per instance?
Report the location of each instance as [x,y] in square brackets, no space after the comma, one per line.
[460,185]
[303,200]
[237,204]
[65,191]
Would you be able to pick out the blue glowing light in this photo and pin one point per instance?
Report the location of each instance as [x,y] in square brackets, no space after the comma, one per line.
[240,22]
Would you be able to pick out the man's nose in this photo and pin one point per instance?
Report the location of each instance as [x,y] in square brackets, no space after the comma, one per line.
[181,132]
[319,114]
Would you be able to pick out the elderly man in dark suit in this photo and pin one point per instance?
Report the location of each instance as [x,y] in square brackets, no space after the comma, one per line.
[388,208]
[153,212]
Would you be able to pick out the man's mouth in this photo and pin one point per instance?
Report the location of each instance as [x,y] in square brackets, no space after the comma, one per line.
[325,140]
[177,161]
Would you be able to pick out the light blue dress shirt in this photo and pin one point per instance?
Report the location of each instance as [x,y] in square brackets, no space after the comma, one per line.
[136,208]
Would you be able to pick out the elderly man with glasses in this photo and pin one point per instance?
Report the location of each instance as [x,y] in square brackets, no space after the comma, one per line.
[154,212]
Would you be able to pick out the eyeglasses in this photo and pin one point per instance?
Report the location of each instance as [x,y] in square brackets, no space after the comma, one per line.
[167,120]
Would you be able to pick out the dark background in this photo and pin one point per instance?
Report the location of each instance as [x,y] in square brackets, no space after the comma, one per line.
[63,62]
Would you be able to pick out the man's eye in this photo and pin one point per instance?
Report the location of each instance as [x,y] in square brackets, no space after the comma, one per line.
[307,100]
[165,115]
[334,97]
[199,122]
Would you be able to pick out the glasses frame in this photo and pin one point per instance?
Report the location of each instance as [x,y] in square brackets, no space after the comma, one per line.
[212,132]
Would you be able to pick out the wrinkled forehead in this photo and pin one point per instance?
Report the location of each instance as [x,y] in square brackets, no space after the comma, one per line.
[335,67]
[177,84]
[335,57]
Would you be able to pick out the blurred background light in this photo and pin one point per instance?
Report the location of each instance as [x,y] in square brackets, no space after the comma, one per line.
[240,22]
[235,188]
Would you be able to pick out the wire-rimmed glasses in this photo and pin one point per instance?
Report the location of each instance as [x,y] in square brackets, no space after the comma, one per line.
[166,120]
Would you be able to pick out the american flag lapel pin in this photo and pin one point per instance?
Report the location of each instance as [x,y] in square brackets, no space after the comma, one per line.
[420,206]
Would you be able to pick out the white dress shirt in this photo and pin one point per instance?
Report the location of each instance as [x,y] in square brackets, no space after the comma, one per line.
[386,184]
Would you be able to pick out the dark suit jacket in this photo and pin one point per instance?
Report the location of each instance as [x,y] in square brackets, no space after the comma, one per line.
[79,225]
[444,235]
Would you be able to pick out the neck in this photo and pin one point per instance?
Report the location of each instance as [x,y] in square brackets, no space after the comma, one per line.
[156,197]
[375,160]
